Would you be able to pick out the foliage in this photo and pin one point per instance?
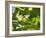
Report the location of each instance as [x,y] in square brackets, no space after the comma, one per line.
[26,18]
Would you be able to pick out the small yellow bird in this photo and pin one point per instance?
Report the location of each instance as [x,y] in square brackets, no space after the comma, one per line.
[24,19]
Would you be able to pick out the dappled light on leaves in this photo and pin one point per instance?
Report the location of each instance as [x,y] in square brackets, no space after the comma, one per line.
[26,19]
[30,9]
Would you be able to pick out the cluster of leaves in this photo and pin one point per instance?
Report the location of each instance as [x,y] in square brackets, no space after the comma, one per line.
[26,18]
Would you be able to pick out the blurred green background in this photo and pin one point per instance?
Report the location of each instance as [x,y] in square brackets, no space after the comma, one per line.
[25,19]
